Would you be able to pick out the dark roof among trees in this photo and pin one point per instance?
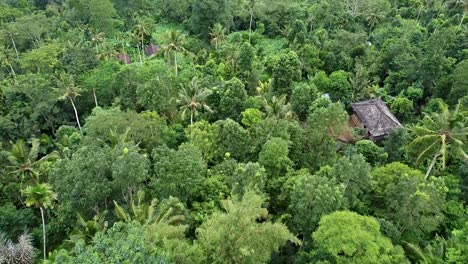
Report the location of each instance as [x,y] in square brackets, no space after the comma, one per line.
[376,117]
[151,49]
[124,58]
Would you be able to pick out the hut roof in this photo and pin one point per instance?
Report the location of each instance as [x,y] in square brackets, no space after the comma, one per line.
[124,58]
[151,49]
[376,117]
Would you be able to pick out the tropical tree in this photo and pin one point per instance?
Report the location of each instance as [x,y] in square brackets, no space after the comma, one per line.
[70,91]
[25,161]
[193,98]
[218,35]
[243,233]
[278,107]
[347,237]
[170,211]
[141,31]
[97,38]
[18,253]
[440,135]
[40,196]
[174,44]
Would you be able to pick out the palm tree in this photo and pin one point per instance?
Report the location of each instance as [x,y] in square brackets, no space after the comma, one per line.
[170,211]
[278,108]
[40,196]
[175,41]
[264,88]
[193,99]
[70,91]
[141,32]
[25,161]
[217,35]
[97,38]
[439,133]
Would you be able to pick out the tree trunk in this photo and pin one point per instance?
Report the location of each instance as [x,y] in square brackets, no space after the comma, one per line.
[431,166]
[250,25]
[12,70]
[14,46]
[175,63]
[43,232]
[463,18]
[191,117]
[95,98]
[76,115]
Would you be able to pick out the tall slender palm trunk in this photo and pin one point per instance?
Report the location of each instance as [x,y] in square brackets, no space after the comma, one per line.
[14,46]
[43,232]
[95,97]
[76,115]
[175,63]
[191,117]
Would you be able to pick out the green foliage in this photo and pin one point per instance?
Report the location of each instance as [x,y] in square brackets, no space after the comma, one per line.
[347,237]
[274,157]
[14,221]
[95,13]
[232,99]
[268,87]
[177,172]
[111,171]
[336,85]
[251,117]
[246,57]
[301,98]
[404,197]
[206,14]
[312,197]
[402,107]
[233,139]
[44,59]
[286,70]
[373,153]
[325,123]
[235,236]
[441,136]
[460,86]
[354,174]
[457,248]
[121,243]
[203,135]
[147,127]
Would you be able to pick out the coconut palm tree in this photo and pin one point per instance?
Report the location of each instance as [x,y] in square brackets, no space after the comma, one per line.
[70,91]
[278,108]
[25,162]
[174,44]
[263,88]
[193,98]
[141,32]
[40,196]
[97,38]
[217,35]
[169,212]
[440,135]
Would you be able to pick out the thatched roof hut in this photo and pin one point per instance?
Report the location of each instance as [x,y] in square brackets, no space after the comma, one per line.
[151,50]
[375,117]
[124,58]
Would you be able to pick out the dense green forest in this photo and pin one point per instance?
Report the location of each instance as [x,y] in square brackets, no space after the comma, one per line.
[218,131]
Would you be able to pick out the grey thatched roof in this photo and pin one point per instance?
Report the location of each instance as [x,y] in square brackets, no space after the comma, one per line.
[151,49]
[376,117]
[124,58]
